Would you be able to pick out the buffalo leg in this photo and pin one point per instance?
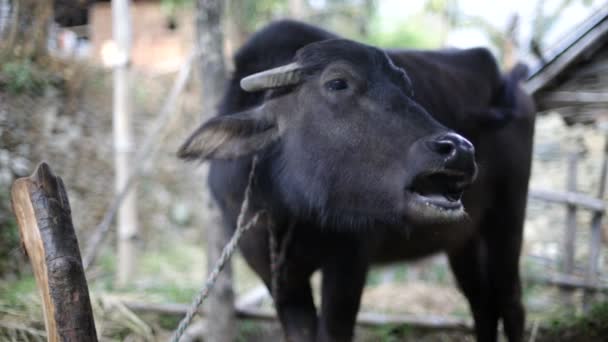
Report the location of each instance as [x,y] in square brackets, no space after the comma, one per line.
[506,284]
[504,246]
[469,265]
[343,279]
[296,310]
[293,298]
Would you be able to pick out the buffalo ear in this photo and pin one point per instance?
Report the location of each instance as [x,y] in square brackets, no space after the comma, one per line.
[230,136]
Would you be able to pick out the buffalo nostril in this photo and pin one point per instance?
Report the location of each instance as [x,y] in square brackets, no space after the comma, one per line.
[452,147]
[444,147]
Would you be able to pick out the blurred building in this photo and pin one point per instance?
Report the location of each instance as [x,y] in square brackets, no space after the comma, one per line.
[160,39]
[161,36]
[573,76]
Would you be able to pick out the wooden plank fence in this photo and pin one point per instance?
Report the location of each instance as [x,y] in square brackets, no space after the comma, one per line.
[573,201]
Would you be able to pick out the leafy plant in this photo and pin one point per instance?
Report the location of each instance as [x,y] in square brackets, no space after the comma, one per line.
[247,329]
[392,332]
[23,76]
[592,326]
[16,293]
[9,240]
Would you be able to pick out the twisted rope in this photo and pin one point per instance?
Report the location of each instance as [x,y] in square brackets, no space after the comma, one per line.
[227,252]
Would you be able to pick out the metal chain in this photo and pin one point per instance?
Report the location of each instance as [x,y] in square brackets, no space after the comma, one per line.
[227,252]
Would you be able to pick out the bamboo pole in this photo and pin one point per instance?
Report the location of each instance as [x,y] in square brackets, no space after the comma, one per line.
[123,146]
[42,209]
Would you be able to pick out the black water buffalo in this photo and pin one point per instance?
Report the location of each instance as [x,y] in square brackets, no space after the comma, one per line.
[372,156]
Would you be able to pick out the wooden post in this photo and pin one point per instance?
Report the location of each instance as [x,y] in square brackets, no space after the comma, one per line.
[570,236]
[212,71]
[595,242]
[123,145]
[43,212]
[569,242]
[29,31]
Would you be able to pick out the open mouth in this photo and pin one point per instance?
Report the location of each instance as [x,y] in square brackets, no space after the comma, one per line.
[440,191]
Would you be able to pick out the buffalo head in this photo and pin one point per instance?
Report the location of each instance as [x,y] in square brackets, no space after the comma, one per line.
[346,138]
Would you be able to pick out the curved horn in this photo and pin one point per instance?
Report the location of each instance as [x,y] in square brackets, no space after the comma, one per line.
[273,78]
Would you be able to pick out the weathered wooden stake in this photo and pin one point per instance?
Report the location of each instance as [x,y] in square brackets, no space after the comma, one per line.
[43,213]
[570,236]
[595,242]
[212,72]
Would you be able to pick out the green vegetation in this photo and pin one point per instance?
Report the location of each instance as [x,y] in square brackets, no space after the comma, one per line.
[374,277]
[413,33]
[392,333]
[168,322]
[172,5]
[401,274]
[14,292]
[9,243]
[358,20]
[590,327]
[172,293]
[252,15]
[23,76]
[247,329]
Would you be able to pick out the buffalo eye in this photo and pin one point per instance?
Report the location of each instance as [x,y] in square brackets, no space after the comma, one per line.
[336,84]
